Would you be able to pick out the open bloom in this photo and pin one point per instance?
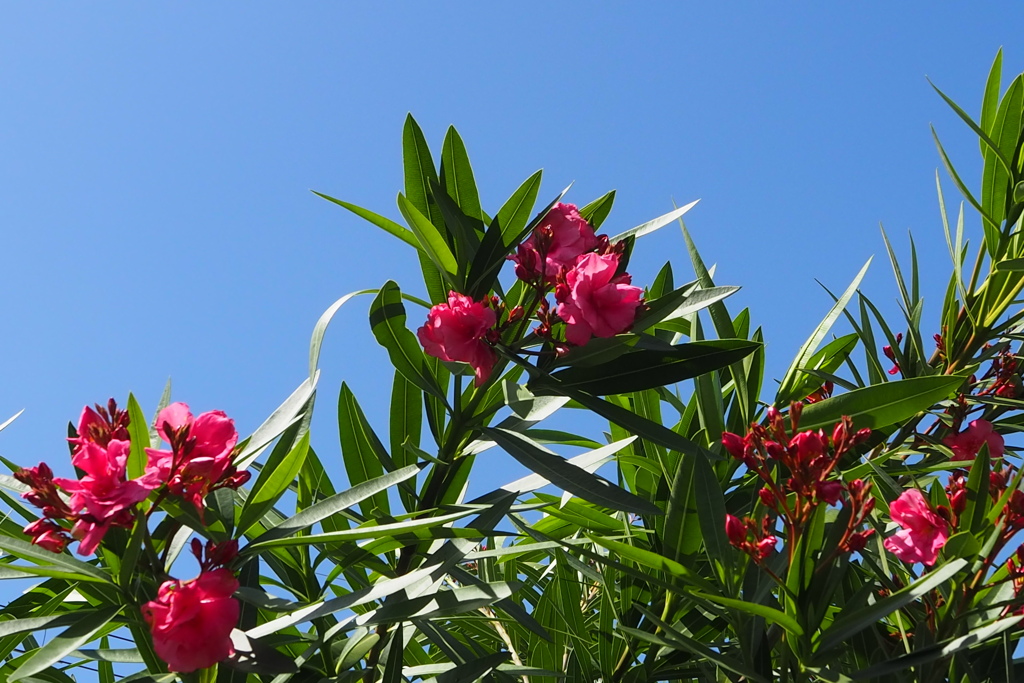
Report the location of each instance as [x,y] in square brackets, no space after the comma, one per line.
[966,444]
[191,621]
[200,455]
[556,244]
[104,493]
[594,302]
[924,532]
[456,330]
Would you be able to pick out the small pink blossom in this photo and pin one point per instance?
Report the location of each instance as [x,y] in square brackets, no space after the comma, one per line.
[966,444]
[594,302]
[191,621]
[456,331]
[924,532]
[104,493]
[557,242]
[200,455]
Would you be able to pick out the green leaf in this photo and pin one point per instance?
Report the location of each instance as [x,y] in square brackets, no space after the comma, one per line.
[419,170]
[596,211]
[11,626]
[274,479]
[369,530]
[1010,265]
[457,174]
[321,328]
[11,419]
[987,143]
[515,212]
[497,241]
[138,431]
[643,369]
[990,102]
[362,451]
[466,230]
[468,672]
[636,424]
[442,602]
[851,622]
[568,477]
[768,613]
[45,559]
[430,239]
[387,321]
[975,514]
[385,224]
[806,352]
[881,405]
[938,651]
[652,225]
[80,633]
[653,560]
[827,359]
[288,413]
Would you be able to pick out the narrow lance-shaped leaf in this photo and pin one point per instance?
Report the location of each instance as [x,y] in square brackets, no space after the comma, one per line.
[645,369]
[274,479]
[806,351]
[568,477]
[68,641]
[387,321]
[881,405]
[381,222]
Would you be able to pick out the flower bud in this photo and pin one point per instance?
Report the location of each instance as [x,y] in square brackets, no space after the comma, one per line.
[733,444]
[736,530]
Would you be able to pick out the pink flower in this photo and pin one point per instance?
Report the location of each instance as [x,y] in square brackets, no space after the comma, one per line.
[966,444]
[594,302]
[200,455]
[556,244]
[104,493]
[924,531]
[455,331]
[191,621]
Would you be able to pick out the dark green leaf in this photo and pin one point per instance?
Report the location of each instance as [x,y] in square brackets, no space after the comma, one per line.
[362,451]
[881,405]
[387,320]
[276,476]
[642,369]
[568,477]
[855,621]
[68,641]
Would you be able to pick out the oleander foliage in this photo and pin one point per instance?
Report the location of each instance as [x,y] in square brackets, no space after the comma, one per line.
[612,561]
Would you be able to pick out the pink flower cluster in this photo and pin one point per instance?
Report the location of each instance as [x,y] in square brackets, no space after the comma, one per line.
[808,462]
[199,461]
[103,498]
[593,298]
[190,621]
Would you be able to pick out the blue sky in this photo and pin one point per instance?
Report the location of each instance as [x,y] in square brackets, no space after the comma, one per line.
[156,162]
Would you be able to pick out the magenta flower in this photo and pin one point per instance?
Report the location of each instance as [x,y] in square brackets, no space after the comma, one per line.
[456,331]
[191,621]
[924,531]
[594,302]
[966,444]
[556,244]
[104,493]
[200,455]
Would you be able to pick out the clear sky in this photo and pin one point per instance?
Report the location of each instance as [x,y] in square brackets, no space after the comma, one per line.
[156,162]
